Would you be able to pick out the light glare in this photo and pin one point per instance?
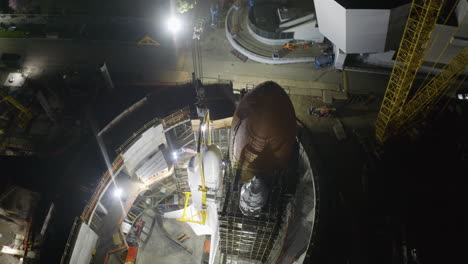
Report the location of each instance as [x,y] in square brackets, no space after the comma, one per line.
[118,192]
[173,24]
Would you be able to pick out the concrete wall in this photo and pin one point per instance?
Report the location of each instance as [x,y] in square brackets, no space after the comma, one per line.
[296,21]
[84,244]
[266,40]
[381,59]
[461,10]
[396,26]
[307,31]
[254,56]
[340,58]
[366,30]
[332,21]
[440,37]
[355,30]
[152,166]
[447,39]
[146,145]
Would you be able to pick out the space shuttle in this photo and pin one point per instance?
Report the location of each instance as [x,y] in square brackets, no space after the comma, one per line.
[263,137]
[204,173]
[200,214]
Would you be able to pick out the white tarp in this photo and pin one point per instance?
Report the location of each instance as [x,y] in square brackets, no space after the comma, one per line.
[146,145]
[152,166]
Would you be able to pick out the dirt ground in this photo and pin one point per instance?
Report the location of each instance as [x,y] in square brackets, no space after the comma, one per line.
[372,208]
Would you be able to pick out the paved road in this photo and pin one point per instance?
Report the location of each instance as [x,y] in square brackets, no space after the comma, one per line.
[19,19]
[219,62]
[79,54]
[171,62]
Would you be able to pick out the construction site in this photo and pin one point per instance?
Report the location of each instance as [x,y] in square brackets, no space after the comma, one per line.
[226,159]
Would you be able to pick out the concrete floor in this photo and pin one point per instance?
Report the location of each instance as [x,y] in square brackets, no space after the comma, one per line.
[163,249]
[218,62]
[109,224]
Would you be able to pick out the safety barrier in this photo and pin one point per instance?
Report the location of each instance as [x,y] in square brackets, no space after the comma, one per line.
[102,185]
[176,117]
[136,134]
[71,237]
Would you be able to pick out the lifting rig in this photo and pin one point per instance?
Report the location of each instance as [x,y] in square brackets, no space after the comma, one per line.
[398,110]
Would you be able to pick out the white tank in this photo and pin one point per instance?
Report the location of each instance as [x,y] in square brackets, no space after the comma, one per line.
[212,167]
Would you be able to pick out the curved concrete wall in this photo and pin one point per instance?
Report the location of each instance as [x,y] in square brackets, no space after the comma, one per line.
[266,40]
[254,56]
[307,31]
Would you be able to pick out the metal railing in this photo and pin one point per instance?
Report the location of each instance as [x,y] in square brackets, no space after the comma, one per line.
[176,117]
[71,237]
[210,80]
[136,134]
[102,185]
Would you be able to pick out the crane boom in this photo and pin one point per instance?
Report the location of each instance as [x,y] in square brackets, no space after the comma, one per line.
[24,115]
[425,99]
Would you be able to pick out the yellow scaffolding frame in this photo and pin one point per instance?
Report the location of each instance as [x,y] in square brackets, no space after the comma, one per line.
[186,218]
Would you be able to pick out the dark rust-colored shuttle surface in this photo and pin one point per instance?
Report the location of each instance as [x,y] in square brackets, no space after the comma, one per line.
[263,130]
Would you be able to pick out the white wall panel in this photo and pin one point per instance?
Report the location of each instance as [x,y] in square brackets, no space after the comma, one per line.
[366,30]
[146,145]
[353,30]
[152,166]
[332,21]
[85,242]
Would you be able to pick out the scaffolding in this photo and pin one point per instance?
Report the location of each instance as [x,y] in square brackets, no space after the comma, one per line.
[178,131]
[246,238]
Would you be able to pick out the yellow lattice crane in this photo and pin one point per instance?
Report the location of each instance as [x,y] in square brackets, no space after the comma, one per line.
[422,17]
[24,115]
[425,98]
